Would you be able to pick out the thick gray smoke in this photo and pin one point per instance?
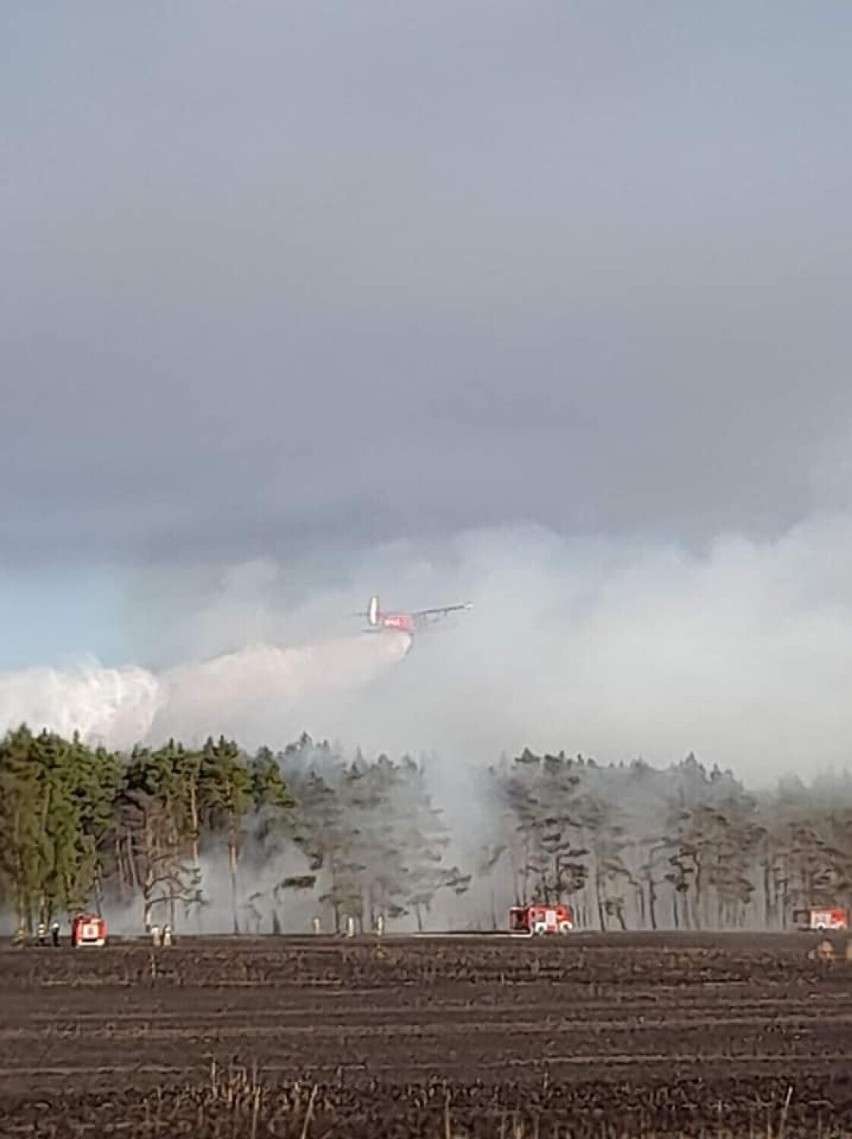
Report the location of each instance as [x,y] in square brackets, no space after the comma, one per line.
[740,653]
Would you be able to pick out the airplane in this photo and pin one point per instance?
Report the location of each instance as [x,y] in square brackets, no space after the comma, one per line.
[377,621]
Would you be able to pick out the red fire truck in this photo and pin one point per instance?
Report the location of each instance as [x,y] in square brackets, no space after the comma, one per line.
[822,918]
[540,918]
[88,929]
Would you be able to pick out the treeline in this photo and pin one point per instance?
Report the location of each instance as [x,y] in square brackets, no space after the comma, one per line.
[163,833]
[86,827]
[684,847]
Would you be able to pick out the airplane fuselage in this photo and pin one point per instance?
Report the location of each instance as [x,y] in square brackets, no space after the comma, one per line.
[403,622]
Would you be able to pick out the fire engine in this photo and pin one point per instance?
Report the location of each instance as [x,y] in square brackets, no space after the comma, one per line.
[88,929]
[823,918]
[538,918]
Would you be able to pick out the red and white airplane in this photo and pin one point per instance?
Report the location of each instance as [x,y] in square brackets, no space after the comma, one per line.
[377,621]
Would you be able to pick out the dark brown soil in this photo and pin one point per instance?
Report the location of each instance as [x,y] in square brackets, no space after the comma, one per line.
[591,1037]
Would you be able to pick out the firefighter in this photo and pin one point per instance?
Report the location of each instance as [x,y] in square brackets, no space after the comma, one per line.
[54,933]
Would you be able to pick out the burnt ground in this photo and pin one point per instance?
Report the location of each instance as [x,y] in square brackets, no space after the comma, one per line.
[588,1036]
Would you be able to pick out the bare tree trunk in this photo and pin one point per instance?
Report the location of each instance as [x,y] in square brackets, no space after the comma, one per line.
[232,863]
[599,900]
[119,865]
[196,859]
[99,894]
[149,874]
[135,881]
[652,901]
[193,814]
[147,904]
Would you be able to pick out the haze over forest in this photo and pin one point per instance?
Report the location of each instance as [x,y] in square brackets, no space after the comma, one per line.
[212,839]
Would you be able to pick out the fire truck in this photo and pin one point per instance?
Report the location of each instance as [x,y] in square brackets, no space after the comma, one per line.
[540,918]
[88,929]
[822,918]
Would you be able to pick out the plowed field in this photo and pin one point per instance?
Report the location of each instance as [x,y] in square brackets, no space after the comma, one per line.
[592,1037]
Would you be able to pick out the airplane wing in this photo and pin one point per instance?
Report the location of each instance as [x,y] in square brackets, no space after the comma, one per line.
[440,611]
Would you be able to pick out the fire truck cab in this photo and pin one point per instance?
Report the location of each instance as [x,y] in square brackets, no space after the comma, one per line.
[88,929]
[537,918]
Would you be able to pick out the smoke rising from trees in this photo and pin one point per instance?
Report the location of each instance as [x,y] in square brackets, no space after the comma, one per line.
[213,838]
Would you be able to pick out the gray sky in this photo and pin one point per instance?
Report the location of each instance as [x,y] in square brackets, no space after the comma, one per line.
[280,273]
[286,280]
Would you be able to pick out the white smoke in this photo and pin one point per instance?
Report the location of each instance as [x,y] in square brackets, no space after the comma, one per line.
[114,706]
[256,694]
[741,652]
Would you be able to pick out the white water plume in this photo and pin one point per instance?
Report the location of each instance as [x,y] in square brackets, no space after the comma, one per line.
[114,706]
[256,694]
[266,693]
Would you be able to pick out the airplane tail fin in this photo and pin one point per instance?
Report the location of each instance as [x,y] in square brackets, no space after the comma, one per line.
[373,611]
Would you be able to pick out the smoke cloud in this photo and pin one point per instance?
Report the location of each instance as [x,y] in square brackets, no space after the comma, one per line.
[112,705]
[739,652]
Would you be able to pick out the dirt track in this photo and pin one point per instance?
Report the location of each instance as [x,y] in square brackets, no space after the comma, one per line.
[631,1035]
